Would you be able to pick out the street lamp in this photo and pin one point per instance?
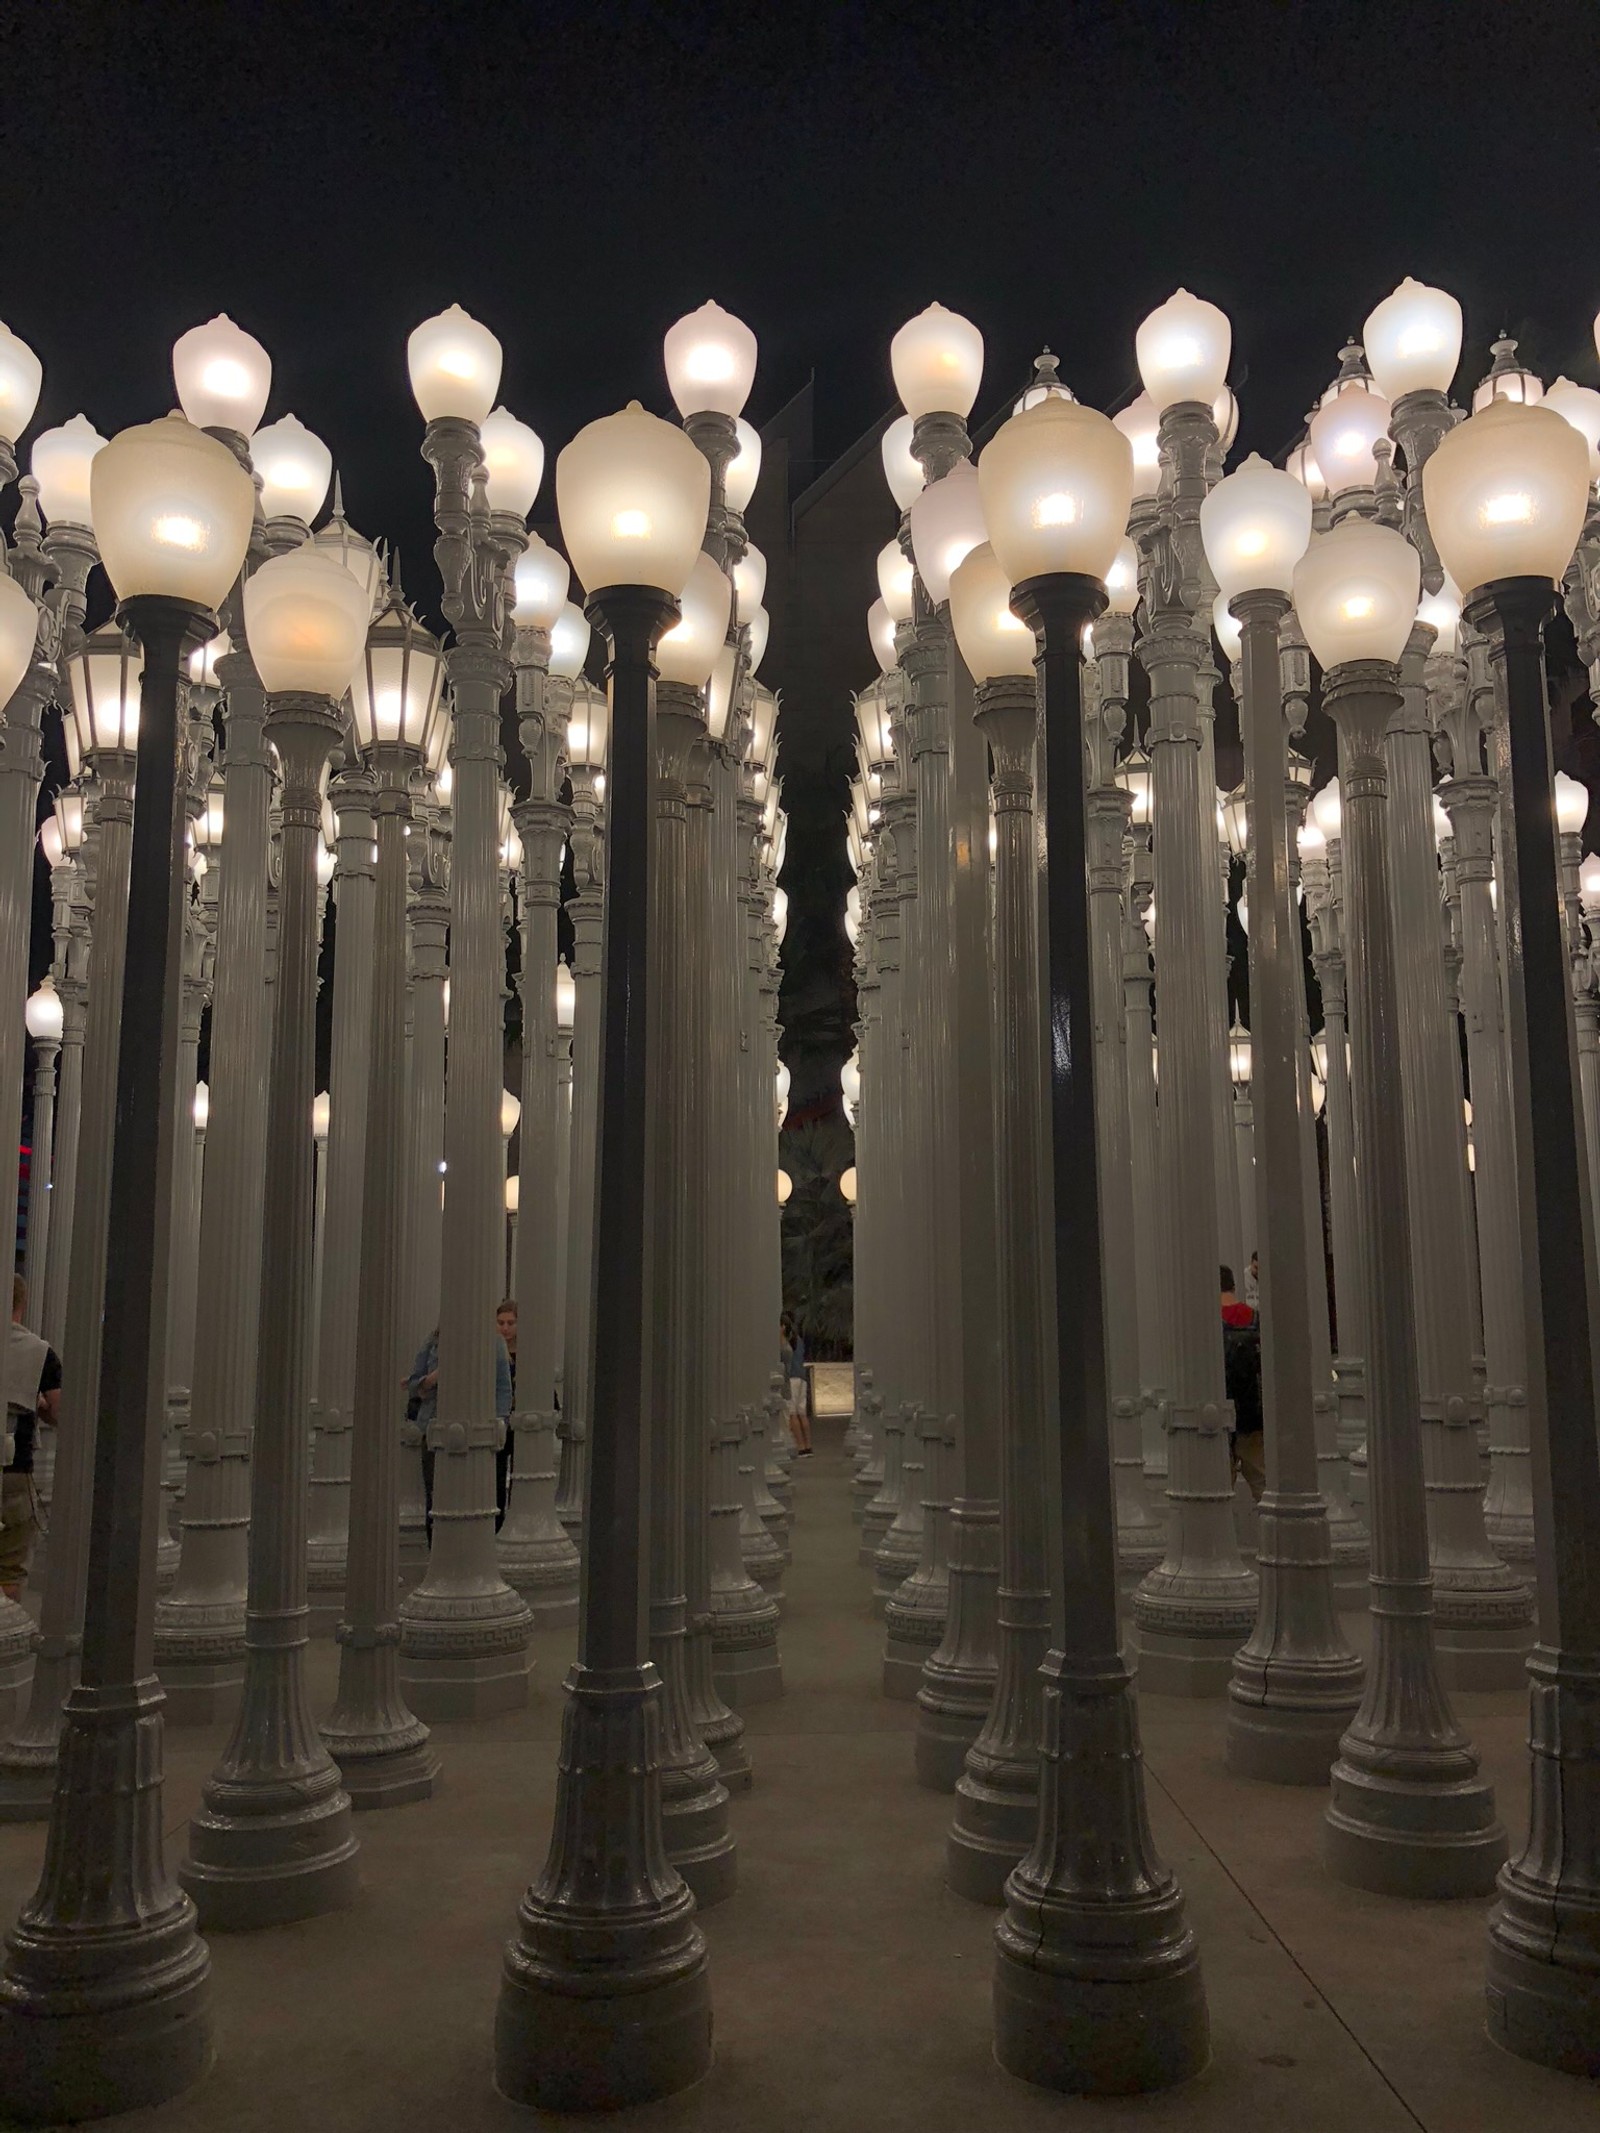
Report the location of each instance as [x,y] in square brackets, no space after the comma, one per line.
[605,1992]
[105,2003]
[46,1021]
[1098,1984]
[1409,1812]
[1507,493]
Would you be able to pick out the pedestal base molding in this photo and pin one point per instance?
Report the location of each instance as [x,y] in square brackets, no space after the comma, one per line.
[464,1658]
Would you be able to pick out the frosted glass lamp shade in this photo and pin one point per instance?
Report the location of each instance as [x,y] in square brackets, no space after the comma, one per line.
[719,690]
[50,844]
[69,820]
[1506,493]
[203,660]
[1229,631]
[44,1015]
[895,577]
[850,1080]
[569,641]
[172,511]
[1056,484]
[510,1112]
[202,1106]
[759,629]
[688,650]
[1442,831]
[1577,404]
[306,619]
[780,913]
[1327,811]
[781,1092]
[356,554]
[566,998]
[946,524]
[1344,431]
[848,1186]
[1239,1040]
[633,492]
[1236,822]
[21,376]
[209,824]
[1589,882]
[321,1113]
[60,462]
[587,727]
[513,1193]
[1302,464]
[901,471]
[1122,579]
[19,633]
[852,913]
[1140,423]
[711,362]
[295,467]
[513,459]
[1572,804]
[873,722]
[744,468]
[1310,841]
[1182,350]
[750,578]
[397,687]
[937,360]
[1442,613]
[539,581]
[1256,525]
[880,629]
[785,1186]
[103,675]
[763,727]
[1133,775]
[223,376]
[1355,591]
[455,367]
[1412,340]
[992,639]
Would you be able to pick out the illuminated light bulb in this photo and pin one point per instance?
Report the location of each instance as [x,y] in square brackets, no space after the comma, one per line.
[895,580]
[1442,613]
[513,459]
[1141,425]
[744,468]
[1182,350]
[223,376]
[1412,340]
[1344,434]
[901,471]
[1572,804]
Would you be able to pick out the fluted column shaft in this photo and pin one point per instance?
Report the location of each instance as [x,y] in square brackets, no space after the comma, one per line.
[586,911]
[1349,1276]
[72,986]
[1149,1228]
[45,1054]
[429,927]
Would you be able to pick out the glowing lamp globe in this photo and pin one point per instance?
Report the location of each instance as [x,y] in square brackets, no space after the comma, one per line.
[719,690]
[19,633]
[1572,804]
[172,511]
[763,726]
[1355,591]
[781,1091]
[850,1082]
[895,580]
[223,376]
[946,524]
[880,631]
[569,642]
[1310,842]
[1506,494]
[901,470]
[1302,464]
[1577,404]
[1327,811]
[1133,775]
[539,581]
[21,375]
[848,1185]
[103,676]
[513,1193]
[455,367]
[513,462]
[1182,350]
[711,362]
[992,639]
[937,361]
[510,1112]
[750,578]
[852,914]
[355,553]
[321,1115]
[744,468]
[202,663]
[1442,830]
[306,619]
[1140,423]
[60,462]
[1442,613]
[1344,431]
[688,650]
[632,492]
[785,1186]
[396,691]
[202,1106]
[759,629]
[588,727]
[295,467]
[1239,1039]
[566,998]
[1056,483]
[1229,631]
[1256,525]
[55,852]
[780,914]
[1412,340]
[69,820]
[1589,882]
[44,1015]
[1122,580]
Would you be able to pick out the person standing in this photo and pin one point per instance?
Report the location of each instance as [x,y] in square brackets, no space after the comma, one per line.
[1241,1366]
[33,1392]
[505,1381]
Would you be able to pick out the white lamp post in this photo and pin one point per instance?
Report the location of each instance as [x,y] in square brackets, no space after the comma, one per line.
[46,1019]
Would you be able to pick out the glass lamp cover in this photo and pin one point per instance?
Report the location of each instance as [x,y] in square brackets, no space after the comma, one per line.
[21,375]
[1311,842]
[719,690]
[780,913]
[1572,804]
[1577,404]
[202,1106]
[510,1112]
[59,463]
[895,576]
[295,468]
[900,470]
[852,913]
[750,578]
[937,361]
[1355,591]
[848,1186]
[711,362]
[513,459]
[223,376]
[587,727]
[1122,579]
[785,1186]
[688,650]
[1236,822]
[1239,1040]
[50,842]
[1182,350]
[760,628]
[203,660]
[398,681]
[874,723]
[321,1112]
[1506,493]
[357,555]
[1589,881]
[455,367]
[880,629]
[744,468]
[946,524]
[69,819]
[1140,423]
[104,678]
[1056,484]
[566,997]
[763,726]
[1133,775]
[19,633]
[632,492]
[44,1015]
[1327,811]
[1256,524]
[1343,433]
[513,1193]
[992,639]
[569,641]
[1302,464]
[539,581]
[1442,831]
[1442,613]
[306,618]
[1229,632]
[1412,340]
[213,816]
[172,511]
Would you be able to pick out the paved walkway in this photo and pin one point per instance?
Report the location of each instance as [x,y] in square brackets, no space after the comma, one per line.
[851,1989]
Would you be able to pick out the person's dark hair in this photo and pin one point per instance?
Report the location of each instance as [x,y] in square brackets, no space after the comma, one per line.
[1227,1276]
[506,1303]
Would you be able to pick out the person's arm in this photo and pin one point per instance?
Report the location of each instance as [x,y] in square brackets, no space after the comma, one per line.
[424,1371]
[502,1380]
[50,1389]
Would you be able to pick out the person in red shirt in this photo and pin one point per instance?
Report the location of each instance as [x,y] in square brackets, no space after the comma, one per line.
[1241,1357]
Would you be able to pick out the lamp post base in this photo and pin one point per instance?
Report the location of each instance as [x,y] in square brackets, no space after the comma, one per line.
[205,1692]
[1479,1658]
[265,1855]
[1187,1663]
[1427,1831]
[1546,2012]
[1094,2037]
[747,1675]
[997,1816]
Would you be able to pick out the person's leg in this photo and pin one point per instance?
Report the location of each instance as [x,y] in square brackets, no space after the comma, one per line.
[1250,1451]
[18,1525]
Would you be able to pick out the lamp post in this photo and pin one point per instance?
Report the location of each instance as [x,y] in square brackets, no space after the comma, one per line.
[464,1631]
[1296,1681]
[1507,493]
[382,1749]
[605,1990]
[1097,1983]
[1409,1812]
[46,1021]
[104,1994]
[271,1839]
[62,838]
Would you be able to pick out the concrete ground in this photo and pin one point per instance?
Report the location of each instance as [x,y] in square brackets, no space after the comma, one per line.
[851,1989]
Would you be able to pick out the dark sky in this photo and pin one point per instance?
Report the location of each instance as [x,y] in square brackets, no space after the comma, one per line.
[578,176]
